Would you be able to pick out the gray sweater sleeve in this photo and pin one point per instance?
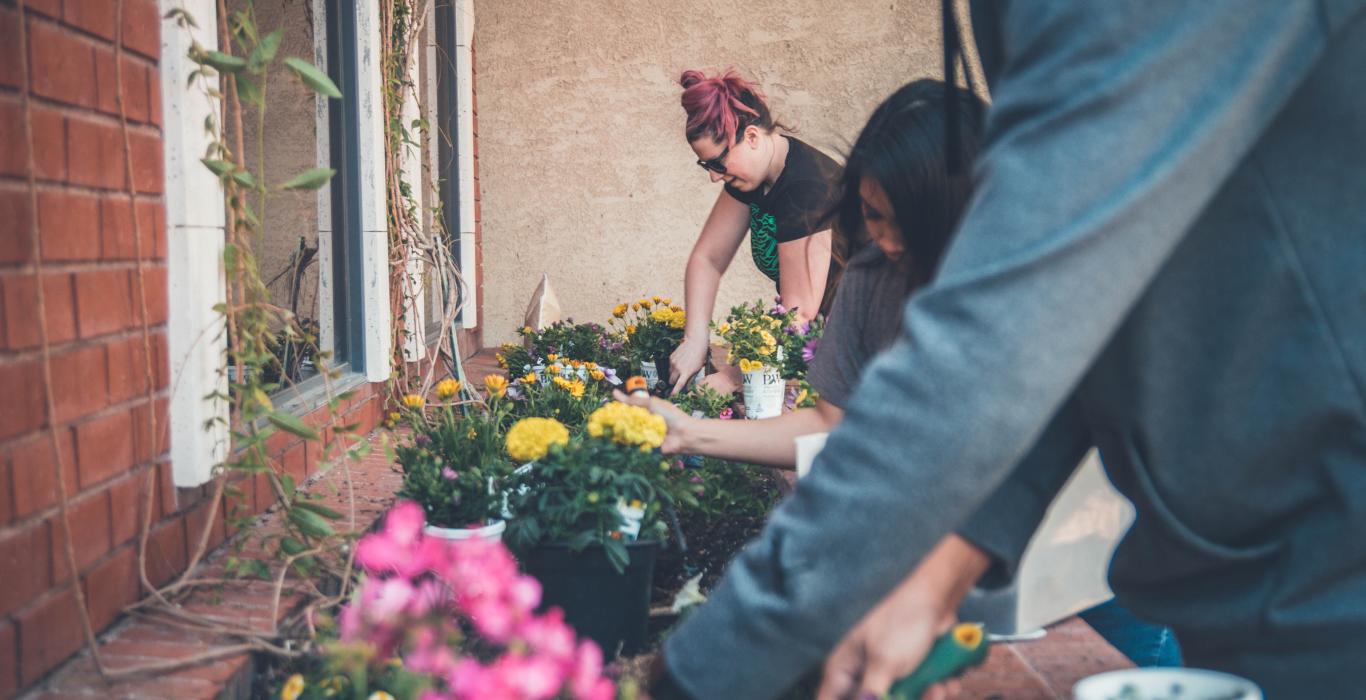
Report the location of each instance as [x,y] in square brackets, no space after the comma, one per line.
[1112,126]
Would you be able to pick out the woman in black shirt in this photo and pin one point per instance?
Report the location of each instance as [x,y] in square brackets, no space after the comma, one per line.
[776,187]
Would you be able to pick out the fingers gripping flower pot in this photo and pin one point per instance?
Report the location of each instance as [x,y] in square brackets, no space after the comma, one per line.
[586,518]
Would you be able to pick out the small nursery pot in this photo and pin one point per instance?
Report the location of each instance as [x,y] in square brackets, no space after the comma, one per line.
[763,391]
[492,531]
[610,608]
[1175,683]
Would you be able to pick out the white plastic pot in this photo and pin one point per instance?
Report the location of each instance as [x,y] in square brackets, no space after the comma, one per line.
[650,372]
[1165,683]
[763,391]
[492,531]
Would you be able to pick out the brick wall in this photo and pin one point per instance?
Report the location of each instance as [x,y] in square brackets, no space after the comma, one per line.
[102,401]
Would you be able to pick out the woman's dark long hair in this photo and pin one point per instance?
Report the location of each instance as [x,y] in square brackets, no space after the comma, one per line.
[903,148]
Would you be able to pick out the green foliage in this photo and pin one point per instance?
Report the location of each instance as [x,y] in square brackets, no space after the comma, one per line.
[703,401]
[454,466]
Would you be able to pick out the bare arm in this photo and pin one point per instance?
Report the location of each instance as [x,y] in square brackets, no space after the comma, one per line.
[711,255]
[768,442]
[805,264]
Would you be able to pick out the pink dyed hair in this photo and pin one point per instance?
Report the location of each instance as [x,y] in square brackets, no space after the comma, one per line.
[722,105]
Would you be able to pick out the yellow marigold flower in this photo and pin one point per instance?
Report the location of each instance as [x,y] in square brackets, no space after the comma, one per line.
[597,374]
[667,300]
[575,364]
[591,365]
[575,388]
[446,388]
[294,687]
[552,357]
[529,439]
[635,306]
[628,425]
[496,384]
[502,361]
[679,321]
[530,378]
[413,401]
[631,329]
[619,310]
[646,303]
[380,695]
[554,369]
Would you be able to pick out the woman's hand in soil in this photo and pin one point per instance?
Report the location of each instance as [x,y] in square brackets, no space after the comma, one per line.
[674,417]
[686,361]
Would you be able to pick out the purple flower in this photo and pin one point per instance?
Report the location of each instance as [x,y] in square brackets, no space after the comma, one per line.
[695,478]
[422,440]
[809,350]
[449,474]
[514,393]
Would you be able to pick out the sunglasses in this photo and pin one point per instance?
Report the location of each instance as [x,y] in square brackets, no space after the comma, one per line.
[717,164]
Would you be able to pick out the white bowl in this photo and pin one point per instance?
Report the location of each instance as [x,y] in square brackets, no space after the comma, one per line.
[1166,684]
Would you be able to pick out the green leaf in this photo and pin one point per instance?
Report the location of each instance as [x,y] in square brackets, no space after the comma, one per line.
[230,257]
[217,167]
[312,77]
[291,424]
[244,179]
[288,482]
[310,523]
[291,546]
[320,510]
[248,91]
[224,63]
[265,51]
[309,179]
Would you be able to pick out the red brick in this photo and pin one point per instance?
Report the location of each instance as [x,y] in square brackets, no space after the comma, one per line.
[166,551]
[48,634]
[21,307]
[154,97]
[104,447]
[69,225]
[22,410]
[61,64]
[6,491]
[11,74]
[154,287]
[9,660]
[125,506]
[116,223]
[142,27]
[167,500]
[89,516]
[49,141]
[103,302]
[293,463]
[24,557]
[111,586]
[94,16]
[96,153]
[147,162]
[143,430]
[127,370]
[78,382]
[34,471]
[51,8]
[194,526]
[15,226]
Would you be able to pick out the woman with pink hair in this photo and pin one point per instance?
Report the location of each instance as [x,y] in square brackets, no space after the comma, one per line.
[776,187]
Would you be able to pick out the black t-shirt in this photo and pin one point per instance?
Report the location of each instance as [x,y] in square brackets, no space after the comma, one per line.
[794,208]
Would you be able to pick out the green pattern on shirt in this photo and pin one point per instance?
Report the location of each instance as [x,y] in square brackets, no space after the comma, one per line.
[762,244]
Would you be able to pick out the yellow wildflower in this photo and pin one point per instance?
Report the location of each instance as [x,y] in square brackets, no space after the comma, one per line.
[294,687]
[619,310]
[496,384]
[526,330]
[591,365]
[628,425]
[575,364]
[646,303]
[529,439]
[723,328]
[446,388]
[554,369]
[395,416]
[575,388]
[635,306]
[502,361]
[765,350]
[552,357]
[631,329]
[530,378]
[597,374]
[768,338]
[656,298]
[413,401]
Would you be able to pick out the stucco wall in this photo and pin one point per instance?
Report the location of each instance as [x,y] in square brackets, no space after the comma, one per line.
[585,173]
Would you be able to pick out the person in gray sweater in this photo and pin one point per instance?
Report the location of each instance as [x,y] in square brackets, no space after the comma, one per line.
[1165,258]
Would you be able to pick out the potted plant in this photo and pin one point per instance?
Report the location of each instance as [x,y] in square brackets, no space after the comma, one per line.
[752,335]
[453,464]
[587,518]
[652,329]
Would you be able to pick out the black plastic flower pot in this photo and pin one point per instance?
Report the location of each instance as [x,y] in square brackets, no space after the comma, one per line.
[611,608]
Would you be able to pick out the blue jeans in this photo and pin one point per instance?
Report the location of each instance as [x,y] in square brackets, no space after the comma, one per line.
[1144,643]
